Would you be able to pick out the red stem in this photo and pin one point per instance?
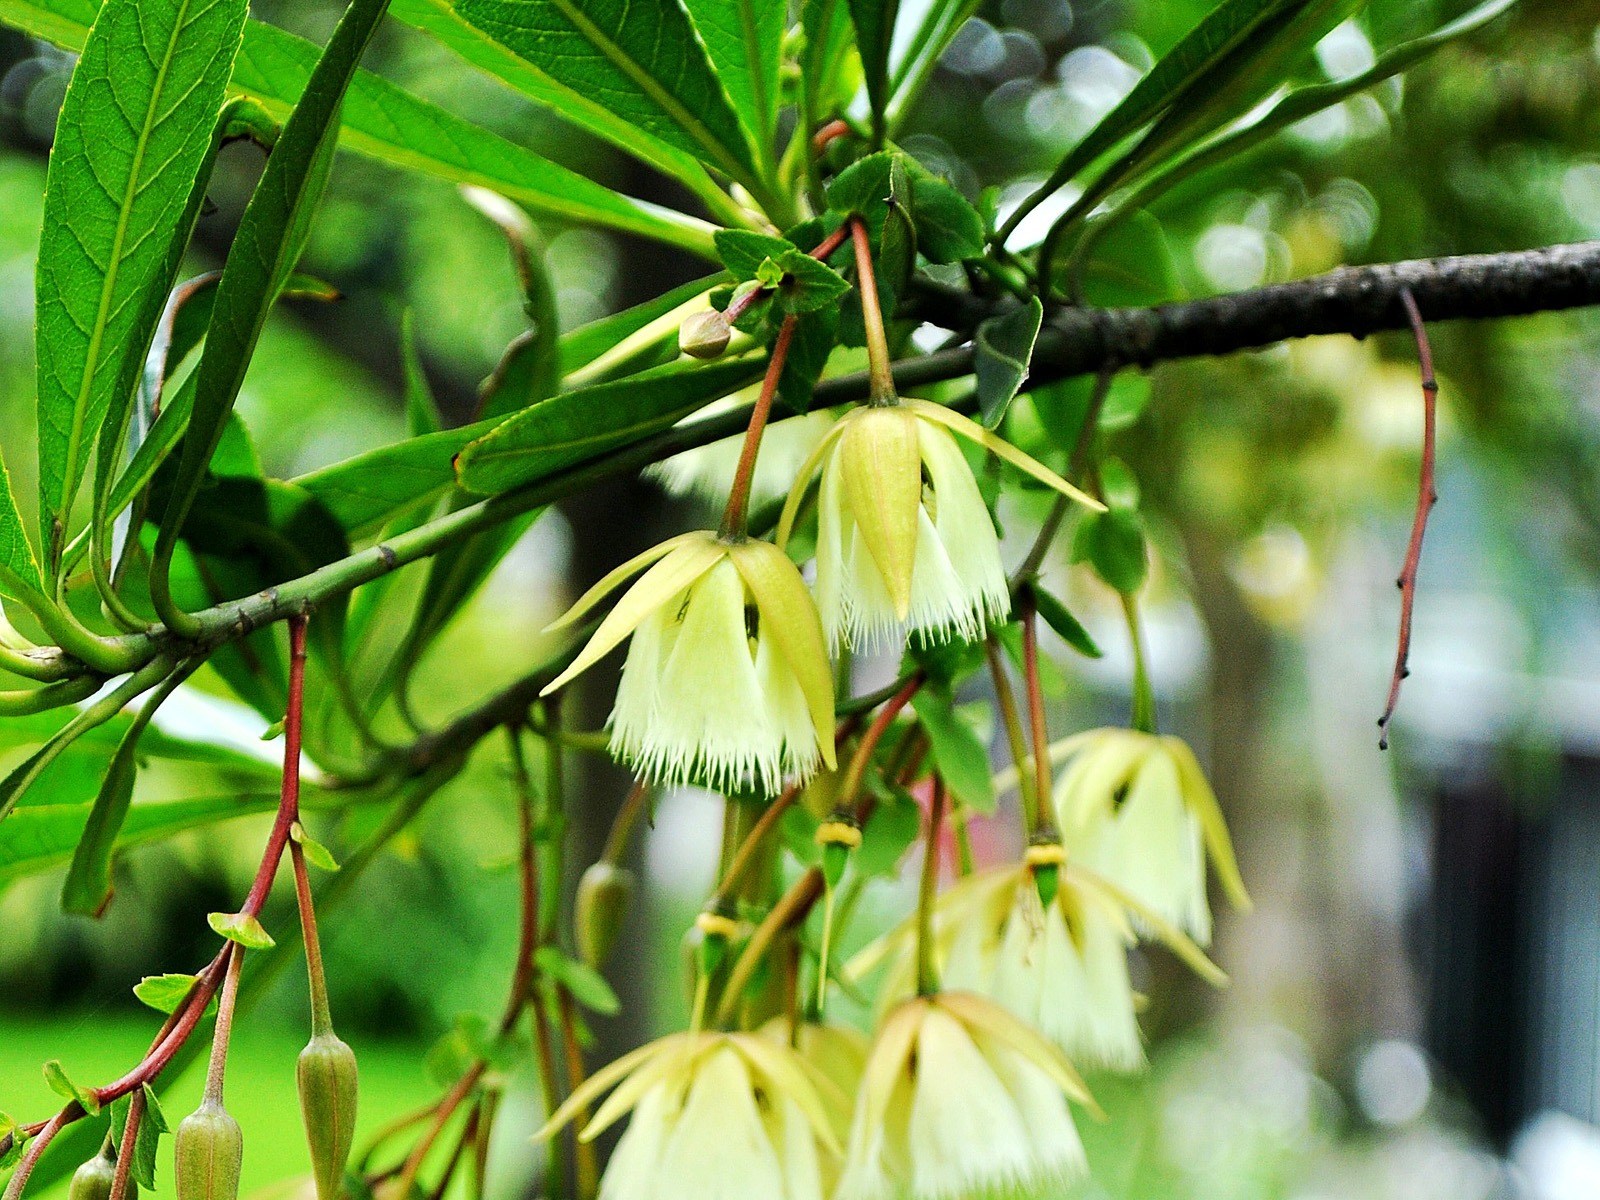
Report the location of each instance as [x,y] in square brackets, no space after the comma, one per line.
[130,1135]
[1427,497]
[1041,736]
[734,517]
[874,734]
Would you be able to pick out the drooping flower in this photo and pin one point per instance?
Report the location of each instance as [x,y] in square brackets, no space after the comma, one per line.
[1061,967]
[905,543]
[961,1099]
[716,1116]
[727,680]
[1136,808]
[838,1053]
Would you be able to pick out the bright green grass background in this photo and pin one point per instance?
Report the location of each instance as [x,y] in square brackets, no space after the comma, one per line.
[260,1090]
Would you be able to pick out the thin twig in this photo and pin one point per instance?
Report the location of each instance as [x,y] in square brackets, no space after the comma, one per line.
[1427,497]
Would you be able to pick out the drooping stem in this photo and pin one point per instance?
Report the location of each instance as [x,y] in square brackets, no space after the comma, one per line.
[30,1156]
[223,1033]
[1144,696]
[1427,497]
[289,789]
[736,516]
[1042,821]
[879,365]
[857,769]
[555,1172]
[927,894]
[587,1166]
[130,1137]
[321,1015]
[790,910]
[441,1117]
[745,855]
[1076,465]
[622,826]
[1011,721]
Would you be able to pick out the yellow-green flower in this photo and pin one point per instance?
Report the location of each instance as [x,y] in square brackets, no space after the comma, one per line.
[1136,808]
[961,1099]
[1063,968]
[727,681]
[716,1116]
[904,540]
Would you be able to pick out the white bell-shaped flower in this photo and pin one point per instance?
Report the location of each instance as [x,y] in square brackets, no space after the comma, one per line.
[905,543]
[961,1099]
[727,681]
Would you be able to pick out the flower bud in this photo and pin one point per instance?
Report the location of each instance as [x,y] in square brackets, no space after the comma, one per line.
[208,1154]
[604,893]
[704,334]
[93,1180]
[326,1075]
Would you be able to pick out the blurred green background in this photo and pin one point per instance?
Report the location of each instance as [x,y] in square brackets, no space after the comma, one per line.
[1415,1008]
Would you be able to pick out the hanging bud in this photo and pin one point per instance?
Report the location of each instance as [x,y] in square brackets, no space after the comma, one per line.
[209,1151]
[704,334]
[326,1075]
[93,1180]
[604,893]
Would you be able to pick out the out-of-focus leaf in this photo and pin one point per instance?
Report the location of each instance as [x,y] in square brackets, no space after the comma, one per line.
[826,85]
[888,834]
[1113,544]
[588,342]
[588,987]
[958,755]
[1002,349]
[422,412]
[745,41]
[940,22]
[87,887]
[1067,626]
[643,61]
[576,426]
[1132,267]
[135,128]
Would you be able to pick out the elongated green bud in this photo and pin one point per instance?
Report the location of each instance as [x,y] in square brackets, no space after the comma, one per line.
[326,1074]
[604,893]
[209,1153]
[93,1180]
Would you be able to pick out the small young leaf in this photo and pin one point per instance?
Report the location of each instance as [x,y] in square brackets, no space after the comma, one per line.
[241,928]
[588,987]
[165,992]
[863,188]
[949,229]
[153,1112]
[56,1077]
[1002,349]
[808,285]
[743,251]
[1113,544]
[316,853]
[958,755]
[1066,625]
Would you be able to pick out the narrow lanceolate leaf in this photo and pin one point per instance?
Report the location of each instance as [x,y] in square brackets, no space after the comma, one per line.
[133,132]
[270,235]
[16,556]
[745,41]
[643,59]
[390,124]
[874,22]
[570,428]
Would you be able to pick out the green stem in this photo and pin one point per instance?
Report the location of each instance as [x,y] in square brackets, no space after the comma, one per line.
[880,366]
[1043,822]
[1006,701]
[927,895]
[223,1033]
[1076,466]
[622,826]
[1144,698]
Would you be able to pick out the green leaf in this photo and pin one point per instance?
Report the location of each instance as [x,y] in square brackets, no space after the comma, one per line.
[888,834]
[386,122]
[1067,626]
[588,342]
[743,251]
[808,285]
[146,1139]
[874,22]
[1133,266]
[644,60]
[542,365]
[588,987]
[1002,349]
[576,426]
[1113,544]
[863,188]
[422,410]
[949,229]
[940,22]
[264,250]
[371,489]
[134,131]
[241,928]
[16,555]
[826,84]
[815,336]
[56,1076]
[87,888]
[958,754]
[165,992]
[316,853]
[744,39]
